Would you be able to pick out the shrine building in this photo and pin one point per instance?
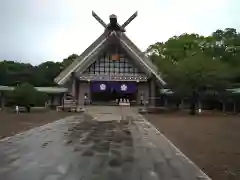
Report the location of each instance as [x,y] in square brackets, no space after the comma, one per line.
[112,67]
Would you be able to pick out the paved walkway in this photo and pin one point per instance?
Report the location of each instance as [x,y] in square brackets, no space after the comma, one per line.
[79,148]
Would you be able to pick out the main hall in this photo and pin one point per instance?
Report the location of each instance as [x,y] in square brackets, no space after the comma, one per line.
[112,68]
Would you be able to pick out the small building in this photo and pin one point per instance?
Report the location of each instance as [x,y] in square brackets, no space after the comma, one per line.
[55,94]
[111,68]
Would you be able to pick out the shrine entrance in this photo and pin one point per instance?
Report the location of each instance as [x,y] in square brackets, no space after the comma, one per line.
[112,92]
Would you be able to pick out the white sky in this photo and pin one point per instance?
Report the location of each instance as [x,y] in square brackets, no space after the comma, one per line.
[49,30]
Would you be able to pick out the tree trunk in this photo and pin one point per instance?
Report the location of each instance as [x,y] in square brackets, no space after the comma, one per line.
[193,103]
[193,108]
[2,100]
[223,106]
[178,103]
[28,109]
[182,105]
[234,107]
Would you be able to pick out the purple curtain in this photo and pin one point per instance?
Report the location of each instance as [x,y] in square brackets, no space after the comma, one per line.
[128,87]
[120,87]
[99,86]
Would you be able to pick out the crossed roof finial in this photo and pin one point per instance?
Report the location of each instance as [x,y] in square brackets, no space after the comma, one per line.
[113,21]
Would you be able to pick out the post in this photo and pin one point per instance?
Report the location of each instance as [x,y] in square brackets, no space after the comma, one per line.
[123,103]
[199,106]
[141,99]
[121,110]
[146,104]
[85,99]
[17,109]
[73,87]
[63,100]
[89,97]
[234,107]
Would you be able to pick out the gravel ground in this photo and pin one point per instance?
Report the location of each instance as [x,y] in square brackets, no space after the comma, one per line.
[11,123]
[211,141]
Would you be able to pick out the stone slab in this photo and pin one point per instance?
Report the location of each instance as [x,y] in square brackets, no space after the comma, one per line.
[79,147]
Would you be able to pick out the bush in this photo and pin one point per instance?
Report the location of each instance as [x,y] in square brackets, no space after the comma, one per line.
[27,96]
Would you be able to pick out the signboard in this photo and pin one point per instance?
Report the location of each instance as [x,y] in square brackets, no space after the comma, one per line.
[115,57]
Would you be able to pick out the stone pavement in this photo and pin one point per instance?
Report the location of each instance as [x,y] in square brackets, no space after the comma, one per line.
[79,148]
[111,113]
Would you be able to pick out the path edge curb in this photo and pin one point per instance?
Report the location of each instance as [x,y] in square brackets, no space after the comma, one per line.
[178,150]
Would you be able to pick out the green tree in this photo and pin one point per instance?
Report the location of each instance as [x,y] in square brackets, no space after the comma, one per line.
[192,64]
[46,72]
[177,47]
[13,73]
[26,95]
[194,75]
[67,61]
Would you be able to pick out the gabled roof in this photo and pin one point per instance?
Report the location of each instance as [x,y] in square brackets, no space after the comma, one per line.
[94,56]
[96,46]
[145,61]
[66,73]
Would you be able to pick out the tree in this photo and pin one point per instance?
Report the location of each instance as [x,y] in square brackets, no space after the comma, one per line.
[194,75]
[177,47]
[13,73]
[67,61]
[191,65]
[47,71]
[27,96]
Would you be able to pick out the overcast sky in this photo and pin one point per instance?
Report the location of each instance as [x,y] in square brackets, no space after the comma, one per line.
[49,30]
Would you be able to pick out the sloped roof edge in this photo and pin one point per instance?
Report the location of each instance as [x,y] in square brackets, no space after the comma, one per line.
[63,76]
[40,89]
[89,61]
[142,55]
[155,73]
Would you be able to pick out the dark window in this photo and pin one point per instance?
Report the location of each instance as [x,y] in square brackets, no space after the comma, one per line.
[104,64]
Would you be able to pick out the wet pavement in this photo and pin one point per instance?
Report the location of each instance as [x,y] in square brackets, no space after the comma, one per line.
[86,147]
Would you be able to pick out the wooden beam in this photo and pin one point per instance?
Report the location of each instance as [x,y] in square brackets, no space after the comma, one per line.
[99,19]
[129,20]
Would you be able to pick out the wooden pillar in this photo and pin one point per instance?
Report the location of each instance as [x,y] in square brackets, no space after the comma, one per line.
[152,92]
[73,87]
[84,87]
[63,99]
[90,93]
[143,89]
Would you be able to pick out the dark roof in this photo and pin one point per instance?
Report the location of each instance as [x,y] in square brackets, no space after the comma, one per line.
[96,46]
[61,78]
